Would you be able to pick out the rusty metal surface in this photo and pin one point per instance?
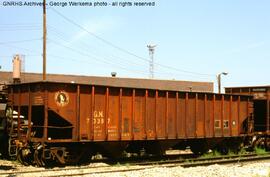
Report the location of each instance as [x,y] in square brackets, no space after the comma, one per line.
[76,112]
[258,92]
[6,77]
[261,96]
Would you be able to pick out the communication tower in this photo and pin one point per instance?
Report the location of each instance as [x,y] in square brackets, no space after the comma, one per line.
[151,49]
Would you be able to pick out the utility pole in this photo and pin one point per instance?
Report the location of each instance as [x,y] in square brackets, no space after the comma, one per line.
[44,39]
[151,49]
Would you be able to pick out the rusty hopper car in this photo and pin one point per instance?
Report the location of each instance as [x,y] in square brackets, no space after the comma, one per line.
[66,122]
[261,99]
[3,133]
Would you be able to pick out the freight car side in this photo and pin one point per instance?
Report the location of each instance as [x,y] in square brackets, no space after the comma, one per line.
[261,100]
[3,123]
[61,116]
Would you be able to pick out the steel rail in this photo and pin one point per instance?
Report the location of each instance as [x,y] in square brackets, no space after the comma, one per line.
[183,164]
[143,165]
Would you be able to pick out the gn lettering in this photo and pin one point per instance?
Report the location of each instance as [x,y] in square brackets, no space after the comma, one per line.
[99,118]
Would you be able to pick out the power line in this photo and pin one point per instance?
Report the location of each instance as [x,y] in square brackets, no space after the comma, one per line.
[20,24]
[93,56]
[11,56]
[19,27]
[124,50]
[60,35]
[85,61]
[22,48]
[121,66]
[20,41]
[63,37]
[29,29]
[98,37]
[129,70]
[84,45]
[87,55]
[185,71]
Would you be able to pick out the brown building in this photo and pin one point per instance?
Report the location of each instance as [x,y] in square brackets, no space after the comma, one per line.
[261,96]
[6,78]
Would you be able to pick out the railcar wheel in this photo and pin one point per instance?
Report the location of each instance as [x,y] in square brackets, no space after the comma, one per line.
[24,156]
[20,157]
[38,159]
[236,145]
[199,148]
[260,142]
[4,147]
[268,144]
[224,150]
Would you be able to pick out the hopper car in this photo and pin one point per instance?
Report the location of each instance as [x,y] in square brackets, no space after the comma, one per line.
[261,104]
[55,122]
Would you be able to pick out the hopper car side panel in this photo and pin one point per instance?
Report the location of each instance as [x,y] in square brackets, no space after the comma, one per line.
[150,109]
[62,114]
[73,112]
[172,115]
[113,114]
[261,98]
[139,122]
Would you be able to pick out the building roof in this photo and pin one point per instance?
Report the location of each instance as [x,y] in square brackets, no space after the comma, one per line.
[171,85]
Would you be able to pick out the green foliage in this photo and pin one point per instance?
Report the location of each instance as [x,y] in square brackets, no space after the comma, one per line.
[188,161]
[242,151]
[217,154]
[260,151]
[118,164]
[211,154]
[127,164]
[230,153]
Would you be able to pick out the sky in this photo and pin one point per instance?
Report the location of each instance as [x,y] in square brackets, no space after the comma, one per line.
[195,39]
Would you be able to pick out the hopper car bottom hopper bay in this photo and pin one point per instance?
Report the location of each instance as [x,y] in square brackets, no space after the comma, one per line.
[66,122]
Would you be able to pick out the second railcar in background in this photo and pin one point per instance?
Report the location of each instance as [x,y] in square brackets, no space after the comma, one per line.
[66,122]
[261,99]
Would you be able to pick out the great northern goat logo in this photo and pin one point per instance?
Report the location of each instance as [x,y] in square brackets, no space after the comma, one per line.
[61,98]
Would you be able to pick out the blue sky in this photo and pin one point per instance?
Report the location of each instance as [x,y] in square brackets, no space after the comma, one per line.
[196,40]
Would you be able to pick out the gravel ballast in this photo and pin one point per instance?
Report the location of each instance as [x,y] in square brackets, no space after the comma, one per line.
[252,169]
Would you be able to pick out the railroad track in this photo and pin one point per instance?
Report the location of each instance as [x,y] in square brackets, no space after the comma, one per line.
[137,166]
